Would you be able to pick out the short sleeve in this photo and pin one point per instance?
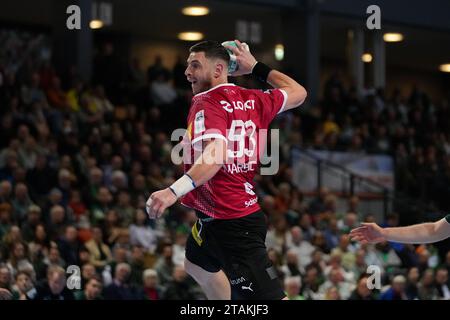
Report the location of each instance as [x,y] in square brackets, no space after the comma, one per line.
[447,217]
[209,121]
[273,103]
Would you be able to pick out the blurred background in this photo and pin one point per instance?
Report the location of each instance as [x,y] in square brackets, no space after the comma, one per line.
[86,117]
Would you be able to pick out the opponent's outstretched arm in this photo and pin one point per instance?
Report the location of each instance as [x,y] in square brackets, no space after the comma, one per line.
[420,233]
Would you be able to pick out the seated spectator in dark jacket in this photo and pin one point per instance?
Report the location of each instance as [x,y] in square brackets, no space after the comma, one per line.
[69,246]
[33,219]
[362,291]
[120,289]
[92,290]
[179,288]
[412,284]
[441,284]
[54,288]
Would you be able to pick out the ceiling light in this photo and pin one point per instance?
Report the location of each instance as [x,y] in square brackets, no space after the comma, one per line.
[279,52]
[96,24]
[445,67]
[195,11]
[393,37]
[190,36]
[366,57]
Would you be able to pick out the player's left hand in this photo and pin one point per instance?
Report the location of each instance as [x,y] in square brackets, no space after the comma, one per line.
[159,201]
[246,61]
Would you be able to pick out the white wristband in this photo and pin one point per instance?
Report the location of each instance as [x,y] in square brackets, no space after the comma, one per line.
[183,185]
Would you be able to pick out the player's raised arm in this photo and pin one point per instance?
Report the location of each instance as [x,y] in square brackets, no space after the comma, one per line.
[205,167]
[296,93]
[420,233]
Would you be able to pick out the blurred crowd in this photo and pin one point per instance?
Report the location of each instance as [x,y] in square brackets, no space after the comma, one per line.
[78,161]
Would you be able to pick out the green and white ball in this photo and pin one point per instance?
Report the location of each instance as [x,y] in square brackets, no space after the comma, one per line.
[233,65]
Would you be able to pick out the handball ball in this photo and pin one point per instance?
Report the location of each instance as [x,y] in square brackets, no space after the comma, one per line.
[233,65]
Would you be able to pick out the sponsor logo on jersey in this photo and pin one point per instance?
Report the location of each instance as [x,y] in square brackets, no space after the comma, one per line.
[249,188]
[251,202]
[238,105]
[199,122]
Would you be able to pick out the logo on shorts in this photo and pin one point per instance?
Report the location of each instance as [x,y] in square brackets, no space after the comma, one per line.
[237,281]
[248,288]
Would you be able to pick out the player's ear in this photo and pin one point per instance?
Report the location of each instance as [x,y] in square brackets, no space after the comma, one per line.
[219,69]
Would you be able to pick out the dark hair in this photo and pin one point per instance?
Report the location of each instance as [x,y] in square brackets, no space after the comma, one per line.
[212,49]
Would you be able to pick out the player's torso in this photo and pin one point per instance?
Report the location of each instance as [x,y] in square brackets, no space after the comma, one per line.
[230,193]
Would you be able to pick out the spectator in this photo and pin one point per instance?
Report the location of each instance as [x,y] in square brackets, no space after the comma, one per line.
[92,290]
[152,290]
[24,287]
[55,286]
[179,247]
[33,219]
[137,265]
[362,291]
[21,202]
[292,287]
[441,284]
[141,233]
[87,272]
[310,288]
[396,291]
[18,259]
[57,222]
[337,280]
[5,277]
[178,288]
[303,248]
[165,266]
[412,284]
[291,268]
[99,253]
[5,218]
[427,286]
[120,288]
[68,246]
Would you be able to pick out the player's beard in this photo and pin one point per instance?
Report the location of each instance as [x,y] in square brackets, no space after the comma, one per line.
[201,86]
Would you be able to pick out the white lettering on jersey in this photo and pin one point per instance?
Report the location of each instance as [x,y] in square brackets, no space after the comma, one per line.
[238,105]
[234,168]
[251,202]
[249,188]
[199,123]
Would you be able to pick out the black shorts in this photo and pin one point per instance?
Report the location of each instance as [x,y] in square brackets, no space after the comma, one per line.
[236,246]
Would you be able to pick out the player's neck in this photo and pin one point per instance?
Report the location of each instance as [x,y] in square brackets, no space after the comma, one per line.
[214,85]
[218,82]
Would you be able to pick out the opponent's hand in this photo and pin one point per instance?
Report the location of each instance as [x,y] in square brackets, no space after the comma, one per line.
[246,61]
[159,201]
[368,233]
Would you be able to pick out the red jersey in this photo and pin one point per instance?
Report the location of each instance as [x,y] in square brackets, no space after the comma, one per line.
[240,117]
